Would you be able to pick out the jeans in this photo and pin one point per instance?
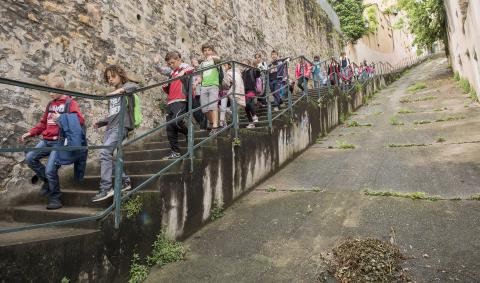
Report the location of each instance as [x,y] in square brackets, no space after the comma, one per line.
[174,110]
[275,86]
[198,115]
[50,172]
[106,159]
[301,81]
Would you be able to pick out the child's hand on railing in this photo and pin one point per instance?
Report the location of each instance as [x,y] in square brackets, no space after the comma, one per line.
[24,137]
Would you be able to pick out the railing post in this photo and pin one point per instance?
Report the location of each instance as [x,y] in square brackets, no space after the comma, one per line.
[117,195]
[269,103]
[191,132]
[234,104]
[289,93]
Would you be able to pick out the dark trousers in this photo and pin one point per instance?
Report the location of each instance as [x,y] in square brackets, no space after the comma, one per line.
[300,82]
[275,86]
[199,116]
[174,110]
[50,172]
[250,108]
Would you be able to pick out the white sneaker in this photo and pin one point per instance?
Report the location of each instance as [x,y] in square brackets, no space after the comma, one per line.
[275,108]
[222,124]
[250,126]
[255,119]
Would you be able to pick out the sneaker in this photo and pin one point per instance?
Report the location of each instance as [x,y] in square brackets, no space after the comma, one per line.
[102,195]
[275,109]
[255,119]
[54,204]
[126,186]
[223,124]
[250,126]
[44,190]
[172,155]
[213,132]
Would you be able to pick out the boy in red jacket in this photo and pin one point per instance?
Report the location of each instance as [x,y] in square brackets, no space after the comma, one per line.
[48,129]
[177,93]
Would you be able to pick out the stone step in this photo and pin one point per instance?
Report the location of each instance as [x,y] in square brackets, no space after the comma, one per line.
[153,166]
[39,235]
[166,144]
[92,183]
[154,154]
[37,213]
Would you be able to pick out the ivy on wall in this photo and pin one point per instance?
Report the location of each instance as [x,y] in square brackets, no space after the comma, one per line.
[352,22]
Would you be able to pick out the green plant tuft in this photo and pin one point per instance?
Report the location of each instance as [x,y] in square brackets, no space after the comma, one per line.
[474,197]
[421,122]
[416,87]
[395,122]
[456,77]
[464,85]
[132,206]
[345,145]
[405,111]
[406,145]
[413,196]
[165,251]
[65,280]
[138,272]
[271,189]
[216,211]
[357,124]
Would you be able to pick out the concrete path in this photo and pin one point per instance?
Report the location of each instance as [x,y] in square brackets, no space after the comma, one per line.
[319,200]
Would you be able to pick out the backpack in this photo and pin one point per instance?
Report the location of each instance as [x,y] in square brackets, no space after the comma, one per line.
[136,110]
[259,85]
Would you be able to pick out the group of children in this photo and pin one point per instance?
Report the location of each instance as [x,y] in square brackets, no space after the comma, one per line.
[212,87]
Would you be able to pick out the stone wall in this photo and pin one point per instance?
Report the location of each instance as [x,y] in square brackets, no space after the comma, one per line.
[78,38]
[464,39]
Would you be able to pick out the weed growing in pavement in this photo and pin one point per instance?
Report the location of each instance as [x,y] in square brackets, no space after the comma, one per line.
[440,109]
[413,196]
[450,118]
[416,87]
[441,139]
[395,122]
[456,77]
[345,145]
[165,251]
[421,122]
[474,197]
[406,145]
[464,85]
[425,98]
[343,118]
[405,111]
[138,272]
[357,124]
[65,280]
[473,95]
[271,189]
[216,211]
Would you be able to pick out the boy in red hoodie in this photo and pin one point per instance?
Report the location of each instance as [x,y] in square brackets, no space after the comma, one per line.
[177,93]
[48,129]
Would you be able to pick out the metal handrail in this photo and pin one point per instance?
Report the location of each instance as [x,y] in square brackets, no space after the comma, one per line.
[189,114]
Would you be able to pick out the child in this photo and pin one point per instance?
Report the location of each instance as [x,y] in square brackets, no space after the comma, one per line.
[302,78]
[317,72]
[277,78]
[250,76]
[197,87]
[48,129]
[210,86]
[116,77]
[239,88]
[262,65]
[177,94]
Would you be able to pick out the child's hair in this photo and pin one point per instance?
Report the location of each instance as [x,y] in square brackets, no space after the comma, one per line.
[258,55]
[274,52]
[343,53]
[208,45]
[316,58]
[117,70]
[56,82]
[173,55]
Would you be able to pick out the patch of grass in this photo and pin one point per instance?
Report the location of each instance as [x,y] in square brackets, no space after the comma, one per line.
[343,118]
[413,195]
[456,76]
[416,87]
[236,142]
[450,118]
[132,206]
[316,189]
[421,122]
[441,139]
[393,145]
[216,211]
[357,124]
[473,95]
[138,272]
[475,197]
[464,85]
[405,111]
[65,280]
[345,145]
[271,189]
[425,98]
[165,251]
[395,122]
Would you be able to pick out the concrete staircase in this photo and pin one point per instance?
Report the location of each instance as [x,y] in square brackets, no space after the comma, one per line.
[141,162]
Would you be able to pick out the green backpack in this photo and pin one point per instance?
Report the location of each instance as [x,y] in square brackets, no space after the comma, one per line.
[137,111]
